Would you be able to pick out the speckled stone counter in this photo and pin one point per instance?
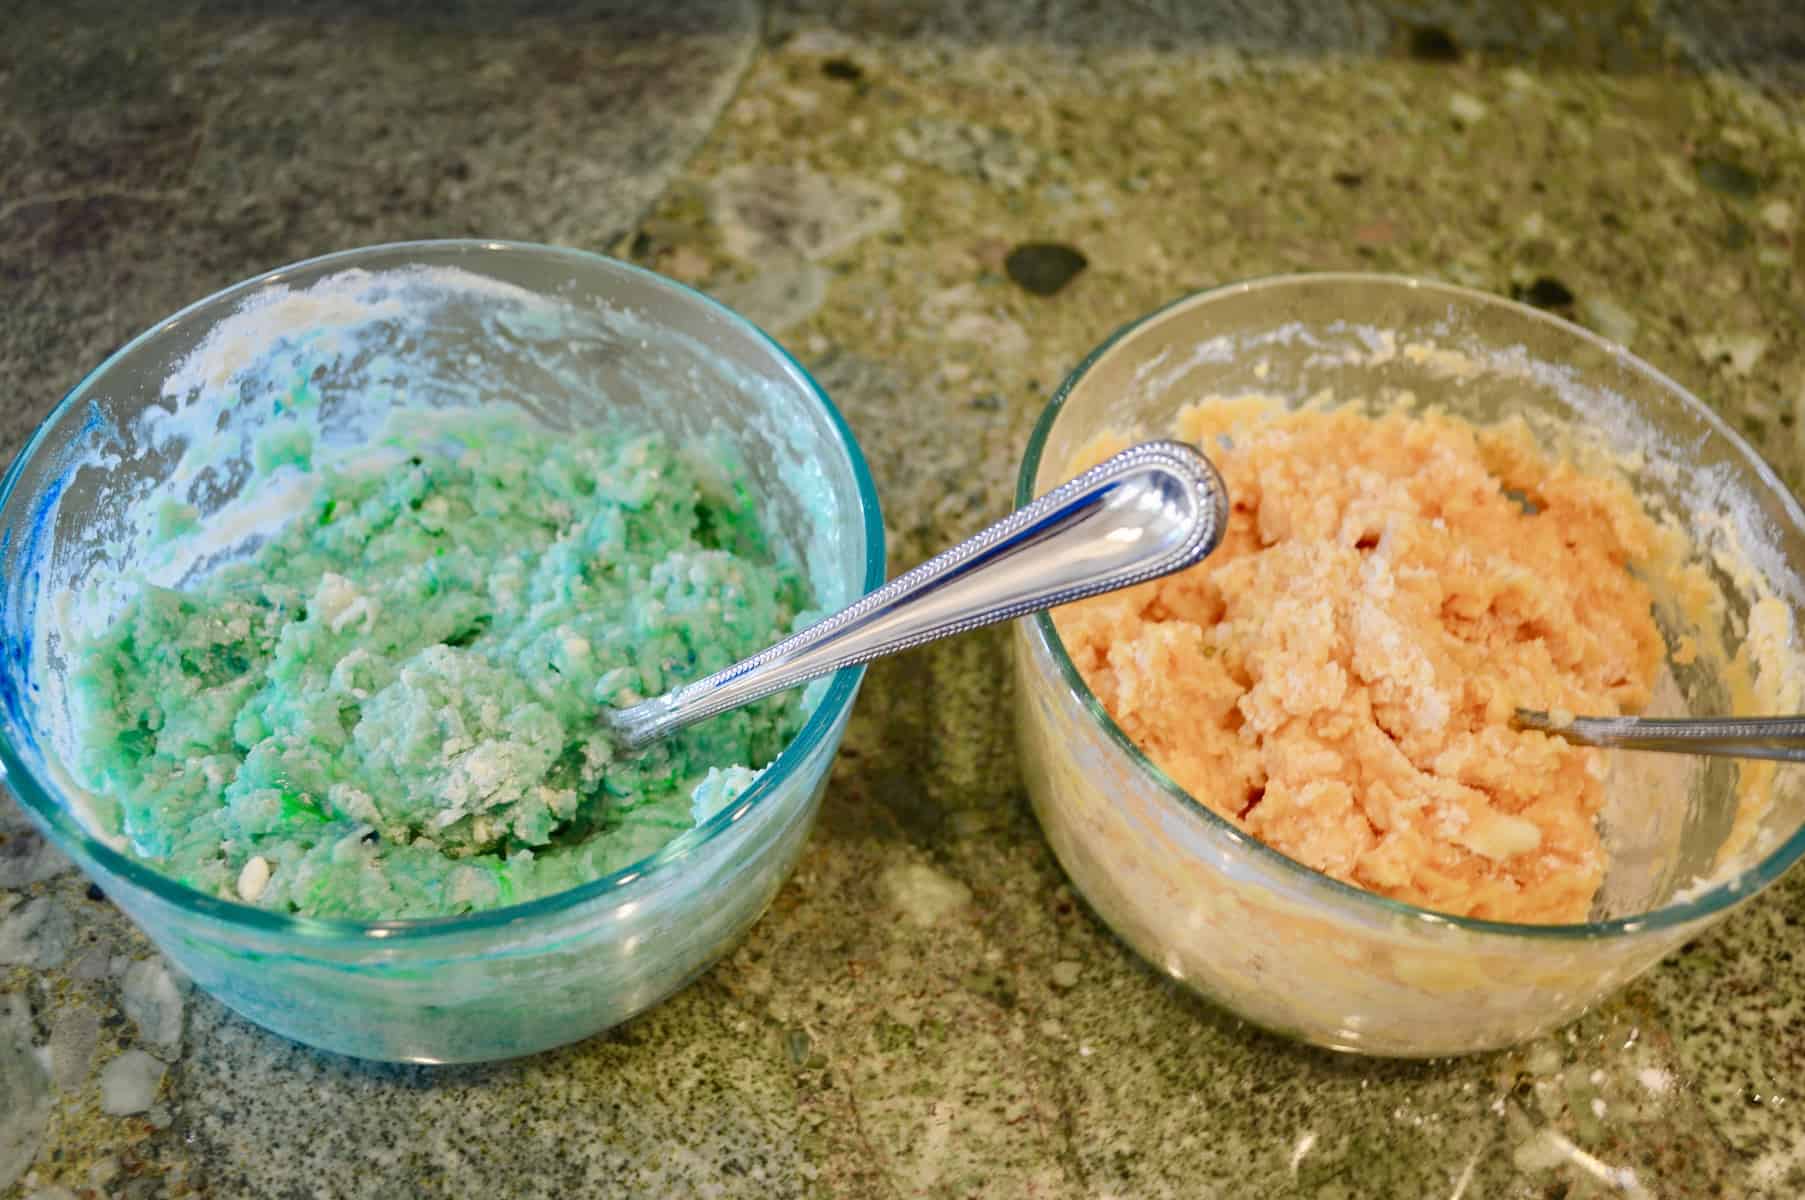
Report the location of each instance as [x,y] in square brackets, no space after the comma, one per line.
[928,1010]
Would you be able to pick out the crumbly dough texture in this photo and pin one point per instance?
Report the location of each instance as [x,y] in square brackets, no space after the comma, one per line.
[1338,678]
[389,710]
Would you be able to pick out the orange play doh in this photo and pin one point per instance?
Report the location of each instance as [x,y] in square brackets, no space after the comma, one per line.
[1338,678]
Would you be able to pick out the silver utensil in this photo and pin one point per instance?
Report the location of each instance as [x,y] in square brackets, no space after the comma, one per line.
[1153,509]
[1779,738]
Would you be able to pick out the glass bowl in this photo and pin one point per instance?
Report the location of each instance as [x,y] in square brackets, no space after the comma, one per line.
[1274,941]
[579,340]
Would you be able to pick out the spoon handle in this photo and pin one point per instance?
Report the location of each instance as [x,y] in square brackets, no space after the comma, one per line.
[1778,738]
[1153,509]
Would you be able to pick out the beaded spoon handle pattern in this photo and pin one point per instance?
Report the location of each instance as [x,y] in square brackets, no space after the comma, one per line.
[1148,511]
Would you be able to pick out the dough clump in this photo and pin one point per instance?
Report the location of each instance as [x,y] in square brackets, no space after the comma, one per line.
[1338,678]
[390,708]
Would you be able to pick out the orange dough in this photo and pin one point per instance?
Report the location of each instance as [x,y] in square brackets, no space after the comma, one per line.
[1338,678]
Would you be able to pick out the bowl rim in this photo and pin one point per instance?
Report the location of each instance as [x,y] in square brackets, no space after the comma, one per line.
[1717,899]
[39,797]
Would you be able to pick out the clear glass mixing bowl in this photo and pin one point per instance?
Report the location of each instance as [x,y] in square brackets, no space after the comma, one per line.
[1274,941]
[580,340]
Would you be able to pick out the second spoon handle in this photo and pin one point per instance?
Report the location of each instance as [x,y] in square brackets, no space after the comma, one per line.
[1778,738]
[1153,509]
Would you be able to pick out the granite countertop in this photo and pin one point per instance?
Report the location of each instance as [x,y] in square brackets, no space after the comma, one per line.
[928,1009]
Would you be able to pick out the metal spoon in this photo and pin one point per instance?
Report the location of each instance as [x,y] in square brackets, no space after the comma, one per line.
[1153,509]
[1780,738]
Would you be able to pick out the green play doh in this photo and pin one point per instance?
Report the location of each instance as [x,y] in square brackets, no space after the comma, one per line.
[388,710]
